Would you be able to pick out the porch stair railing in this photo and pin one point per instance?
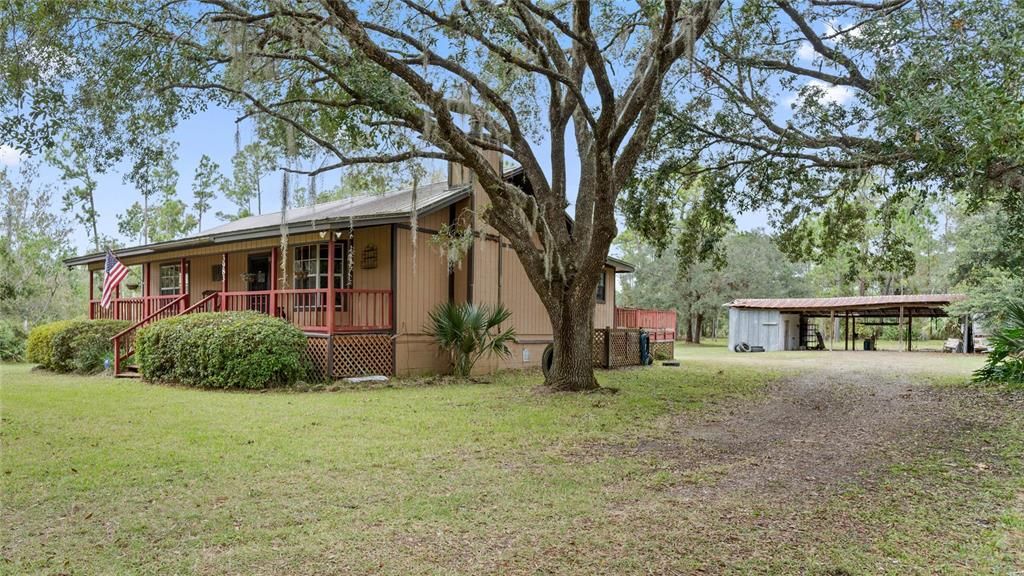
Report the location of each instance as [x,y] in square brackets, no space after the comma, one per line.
[124,341]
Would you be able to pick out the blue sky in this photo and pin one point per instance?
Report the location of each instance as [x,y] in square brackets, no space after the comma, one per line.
[211,132]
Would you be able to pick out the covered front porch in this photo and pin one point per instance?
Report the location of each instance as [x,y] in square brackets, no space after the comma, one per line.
[333,282]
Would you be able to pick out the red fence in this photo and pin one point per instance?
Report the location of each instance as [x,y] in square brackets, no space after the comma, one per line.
[660,323]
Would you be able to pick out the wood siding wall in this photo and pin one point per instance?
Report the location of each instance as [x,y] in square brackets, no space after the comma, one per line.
[417,292]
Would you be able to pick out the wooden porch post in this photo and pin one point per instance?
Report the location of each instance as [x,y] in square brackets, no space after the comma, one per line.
[223,280]
[273,281]
[92,292]
[146,279]
[181,285]
[117,303]
[330,283]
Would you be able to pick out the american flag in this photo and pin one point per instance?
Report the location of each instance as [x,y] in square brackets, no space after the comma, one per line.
[114,272]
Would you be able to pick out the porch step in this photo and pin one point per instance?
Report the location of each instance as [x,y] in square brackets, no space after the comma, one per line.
[130,372]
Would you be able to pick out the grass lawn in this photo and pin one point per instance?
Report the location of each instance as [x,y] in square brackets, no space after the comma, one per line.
[104,476]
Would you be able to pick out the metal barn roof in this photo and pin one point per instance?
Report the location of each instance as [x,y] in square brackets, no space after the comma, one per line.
[848,302]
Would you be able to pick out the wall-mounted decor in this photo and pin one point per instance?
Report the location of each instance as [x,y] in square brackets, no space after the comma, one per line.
[217,272]
[368,259]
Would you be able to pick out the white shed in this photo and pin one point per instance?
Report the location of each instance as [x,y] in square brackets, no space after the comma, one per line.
[772,329]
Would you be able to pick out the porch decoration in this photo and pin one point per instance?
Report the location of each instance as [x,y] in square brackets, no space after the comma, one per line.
[368,258]
[453,242]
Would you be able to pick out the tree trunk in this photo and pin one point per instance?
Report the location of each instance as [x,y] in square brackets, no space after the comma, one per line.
[573,330]
[689,328]
[698,328]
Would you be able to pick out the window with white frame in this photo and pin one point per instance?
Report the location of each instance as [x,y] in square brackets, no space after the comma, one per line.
[602,287]
[310,266]
[170,279]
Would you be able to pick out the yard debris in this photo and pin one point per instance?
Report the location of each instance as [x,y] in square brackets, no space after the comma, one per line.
[360,379]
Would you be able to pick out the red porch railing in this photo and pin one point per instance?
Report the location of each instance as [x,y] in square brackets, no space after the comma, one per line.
[355,310]
[124,341]
[131,309]
[660,323]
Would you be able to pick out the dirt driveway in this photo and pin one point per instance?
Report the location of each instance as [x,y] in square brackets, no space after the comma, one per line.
[819,429]
[843,467]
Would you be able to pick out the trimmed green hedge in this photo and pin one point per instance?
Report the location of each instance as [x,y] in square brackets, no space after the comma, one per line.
[80,346]
[222,350]
[40,342]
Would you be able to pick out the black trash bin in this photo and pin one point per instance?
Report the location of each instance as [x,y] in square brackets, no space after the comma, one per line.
[645,349]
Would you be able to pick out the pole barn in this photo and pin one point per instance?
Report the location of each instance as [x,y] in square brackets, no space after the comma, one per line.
[776,324]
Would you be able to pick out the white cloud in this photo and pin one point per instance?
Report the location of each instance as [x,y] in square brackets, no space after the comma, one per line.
[837,34]
[829,93]
[10,156]
[806,51]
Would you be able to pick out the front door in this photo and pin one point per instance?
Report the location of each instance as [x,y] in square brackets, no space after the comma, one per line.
[259,273]
[259,281]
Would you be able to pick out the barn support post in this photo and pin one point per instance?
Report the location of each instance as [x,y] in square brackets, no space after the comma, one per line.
[910,327]
[965,332]
[854,339]
[899,328]
[832,330]
[846,332]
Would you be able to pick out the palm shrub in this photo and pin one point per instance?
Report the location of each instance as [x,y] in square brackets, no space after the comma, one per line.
[1006,358]
[469,332]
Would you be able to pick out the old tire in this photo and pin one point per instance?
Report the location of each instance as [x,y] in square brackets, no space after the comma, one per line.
[547,359]
[743,347]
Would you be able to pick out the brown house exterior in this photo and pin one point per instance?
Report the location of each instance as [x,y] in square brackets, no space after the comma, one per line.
[384,279]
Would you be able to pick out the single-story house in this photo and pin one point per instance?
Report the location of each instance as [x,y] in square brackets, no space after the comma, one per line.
[792,323]
[359,277]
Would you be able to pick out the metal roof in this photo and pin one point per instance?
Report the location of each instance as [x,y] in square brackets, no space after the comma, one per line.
[621,266]
[360,211]
[849,302]
[399,204]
